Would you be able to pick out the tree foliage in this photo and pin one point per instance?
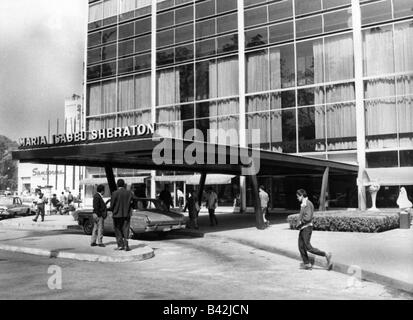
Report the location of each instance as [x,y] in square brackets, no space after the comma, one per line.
[8,167]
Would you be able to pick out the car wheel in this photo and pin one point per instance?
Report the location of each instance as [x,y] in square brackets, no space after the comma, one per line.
[28,212]
[88,227]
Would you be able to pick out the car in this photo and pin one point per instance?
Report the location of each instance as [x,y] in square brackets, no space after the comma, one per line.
[11,207]
[148,215]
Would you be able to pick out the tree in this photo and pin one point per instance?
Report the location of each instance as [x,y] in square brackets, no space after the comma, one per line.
[8,167]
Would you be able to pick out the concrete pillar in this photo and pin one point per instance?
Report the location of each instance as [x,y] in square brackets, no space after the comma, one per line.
[242,89]
[111,179]
[257,203]
[360,116]
[243,193]
[324,188]
[201,187]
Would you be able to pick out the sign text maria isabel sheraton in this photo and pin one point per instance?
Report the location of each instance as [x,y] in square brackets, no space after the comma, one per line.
[93,135]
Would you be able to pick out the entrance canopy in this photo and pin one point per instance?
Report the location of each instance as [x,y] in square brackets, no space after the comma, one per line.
[178,155]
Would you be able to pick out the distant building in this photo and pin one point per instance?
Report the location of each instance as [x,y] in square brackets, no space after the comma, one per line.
[55,178]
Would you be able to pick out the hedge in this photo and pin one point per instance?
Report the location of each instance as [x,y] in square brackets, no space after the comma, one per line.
[359,221]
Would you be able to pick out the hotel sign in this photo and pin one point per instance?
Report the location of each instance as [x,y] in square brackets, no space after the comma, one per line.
[135,131]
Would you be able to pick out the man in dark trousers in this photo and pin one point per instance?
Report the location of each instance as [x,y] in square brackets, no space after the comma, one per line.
[121,205]
[305,225]
[166,198]
[99,215]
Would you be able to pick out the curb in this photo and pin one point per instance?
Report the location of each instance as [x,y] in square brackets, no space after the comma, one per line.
[146,254]
[337,266]
[24,226]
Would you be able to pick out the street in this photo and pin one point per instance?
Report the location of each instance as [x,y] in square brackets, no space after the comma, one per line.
[183,268]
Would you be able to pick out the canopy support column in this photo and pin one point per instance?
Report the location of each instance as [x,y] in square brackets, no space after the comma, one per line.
[257,203]
[201,187]
[324,187]
[111,179]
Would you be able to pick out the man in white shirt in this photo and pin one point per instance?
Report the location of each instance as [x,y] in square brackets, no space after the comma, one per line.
[264,199]
[41,203]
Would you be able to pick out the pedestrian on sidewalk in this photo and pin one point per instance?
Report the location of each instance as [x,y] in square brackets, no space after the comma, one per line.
[166,198]
[305,225]
[55,204]
[212,204]
[264,199]
[121,205]
[180,196]
[41,203]
[193,210]
[99,216]
[70,198]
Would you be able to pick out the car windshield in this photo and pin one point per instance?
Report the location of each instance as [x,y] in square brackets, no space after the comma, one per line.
[6,201]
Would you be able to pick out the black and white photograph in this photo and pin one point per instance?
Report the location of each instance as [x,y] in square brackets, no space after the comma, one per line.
[206,154]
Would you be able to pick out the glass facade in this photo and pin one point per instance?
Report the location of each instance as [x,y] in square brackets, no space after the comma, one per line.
[300,77]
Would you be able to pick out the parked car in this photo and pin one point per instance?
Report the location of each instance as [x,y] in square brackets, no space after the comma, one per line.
[11,207]
[148,215]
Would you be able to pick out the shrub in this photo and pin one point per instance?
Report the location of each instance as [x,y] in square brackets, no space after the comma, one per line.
[358,221]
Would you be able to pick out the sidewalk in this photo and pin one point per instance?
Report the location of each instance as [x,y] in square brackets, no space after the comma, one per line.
[385,258]
[53,222]
[53,238]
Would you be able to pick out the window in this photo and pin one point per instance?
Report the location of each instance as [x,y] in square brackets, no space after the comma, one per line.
[226,5]
[283,131]
[184,53]
[184,33]
[205,28]
[281,32]
[205,9]
[382,159]
[165,20]
[378,55]
[126,47]
[257,71]
[143,43]
[205,48]
[256,37]
[227,43]
[307,6]
[339,57]
[255,16]
[206,79]
[283,100]
[402,8]
[337,20]
[310,62]
[280,10]
[126,30]
[165,38]
[184,15]
[309,26]
[227,23]
[375,12]
[311,129]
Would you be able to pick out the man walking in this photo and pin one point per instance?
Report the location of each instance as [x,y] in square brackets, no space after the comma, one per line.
[305,225]
[211,204]
[121,206]
[41,203]
[264,199]
[99,215]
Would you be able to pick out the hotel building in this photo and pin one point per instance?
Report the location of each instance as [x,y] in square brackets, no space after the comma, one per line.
[329,79]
